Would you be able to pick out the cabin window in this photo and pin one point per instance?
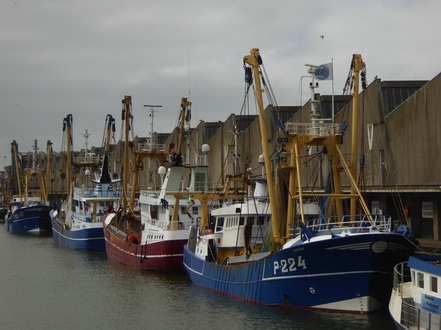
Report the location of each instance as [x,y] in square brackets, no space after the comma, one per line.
[242,221]
[219,224]
[195,210]
[413,278]
[261,221]
[250,220]
[433,284]
[421,280]
[183,210]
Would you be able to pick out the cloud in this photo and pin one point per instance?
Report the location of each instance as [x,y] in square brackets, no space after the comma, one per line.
[82,57]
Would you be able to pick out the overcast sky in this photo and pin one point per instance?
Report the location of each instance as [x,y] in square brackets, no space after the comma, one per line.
[81,57]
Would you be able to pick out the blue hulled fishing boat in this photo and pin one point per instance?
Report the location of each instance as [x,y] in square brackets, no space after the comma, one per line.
[76,224]
[295,247]
[29,212]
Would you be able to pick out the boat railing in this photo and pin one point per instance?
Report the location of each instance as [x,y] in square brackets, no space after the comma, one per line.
[87,217]
[147,146]
[414,317]
[92,193]
[200,160]
[87,159]
[360,223]
[401,276]
[165,224]
[34,170]
[149,192]
[315,128]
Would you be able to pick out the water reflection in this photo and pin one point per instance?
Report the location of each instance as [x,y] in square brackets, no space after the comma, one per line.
[45,286]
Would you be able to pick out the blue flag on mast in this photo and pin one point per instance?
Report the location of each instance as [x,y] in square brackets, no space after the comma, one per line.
[324,72]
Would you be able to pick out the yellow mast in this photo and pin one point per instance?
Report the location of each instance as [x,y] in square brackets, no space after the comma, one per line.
[184,105]
[67,127]
[358,66]
[48,170]
[254,60]
[127,101]
[15,153]
[37,172]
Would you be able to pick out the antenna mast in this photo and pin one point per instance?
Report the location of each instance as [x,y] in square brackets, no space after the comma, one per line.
[86,136]
[152,114]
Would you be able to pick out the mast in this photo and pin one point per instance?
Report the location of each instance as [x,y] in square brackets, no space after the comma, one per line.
[86,144]
[48,170]
[33,171]
[110,128]
[67,128]
[358,66]
[152,110]
[185,104]
[255,60]
[127,102]
[17,173]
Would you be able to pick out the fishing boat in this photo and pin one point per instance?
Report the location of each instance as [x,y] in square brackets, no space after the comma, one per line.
[155,239]
[415,301]
[76,223]
[321,254]
[29,212]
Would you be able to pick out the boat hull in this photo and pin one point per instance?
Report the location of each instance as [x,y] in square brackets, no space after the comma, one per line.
[30,219]
[88,239]
[165,255]
[346,274]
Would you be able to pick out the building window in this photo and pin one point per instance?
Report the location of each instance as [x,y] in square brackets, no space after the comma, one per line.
[421,280]
[433,284]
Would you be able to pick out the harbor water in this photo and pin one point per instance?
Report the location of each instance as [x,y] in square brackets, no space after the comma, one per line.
[44,286]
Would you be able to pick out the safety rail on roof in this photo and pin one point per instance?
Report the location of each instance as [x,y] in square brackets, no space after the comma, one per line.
[87,160]
[94,193]
[151,147]
[34,170]
[315,128]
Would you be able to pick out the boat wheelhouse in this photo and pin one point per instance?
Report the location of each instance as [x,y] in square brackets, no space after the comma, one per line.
[415,301]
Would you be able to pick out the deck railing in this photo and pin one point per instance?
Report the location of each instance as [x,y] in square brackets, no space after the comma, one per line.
[87,160]
[151,147]
[315,128]
[363,223]
[93,193]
